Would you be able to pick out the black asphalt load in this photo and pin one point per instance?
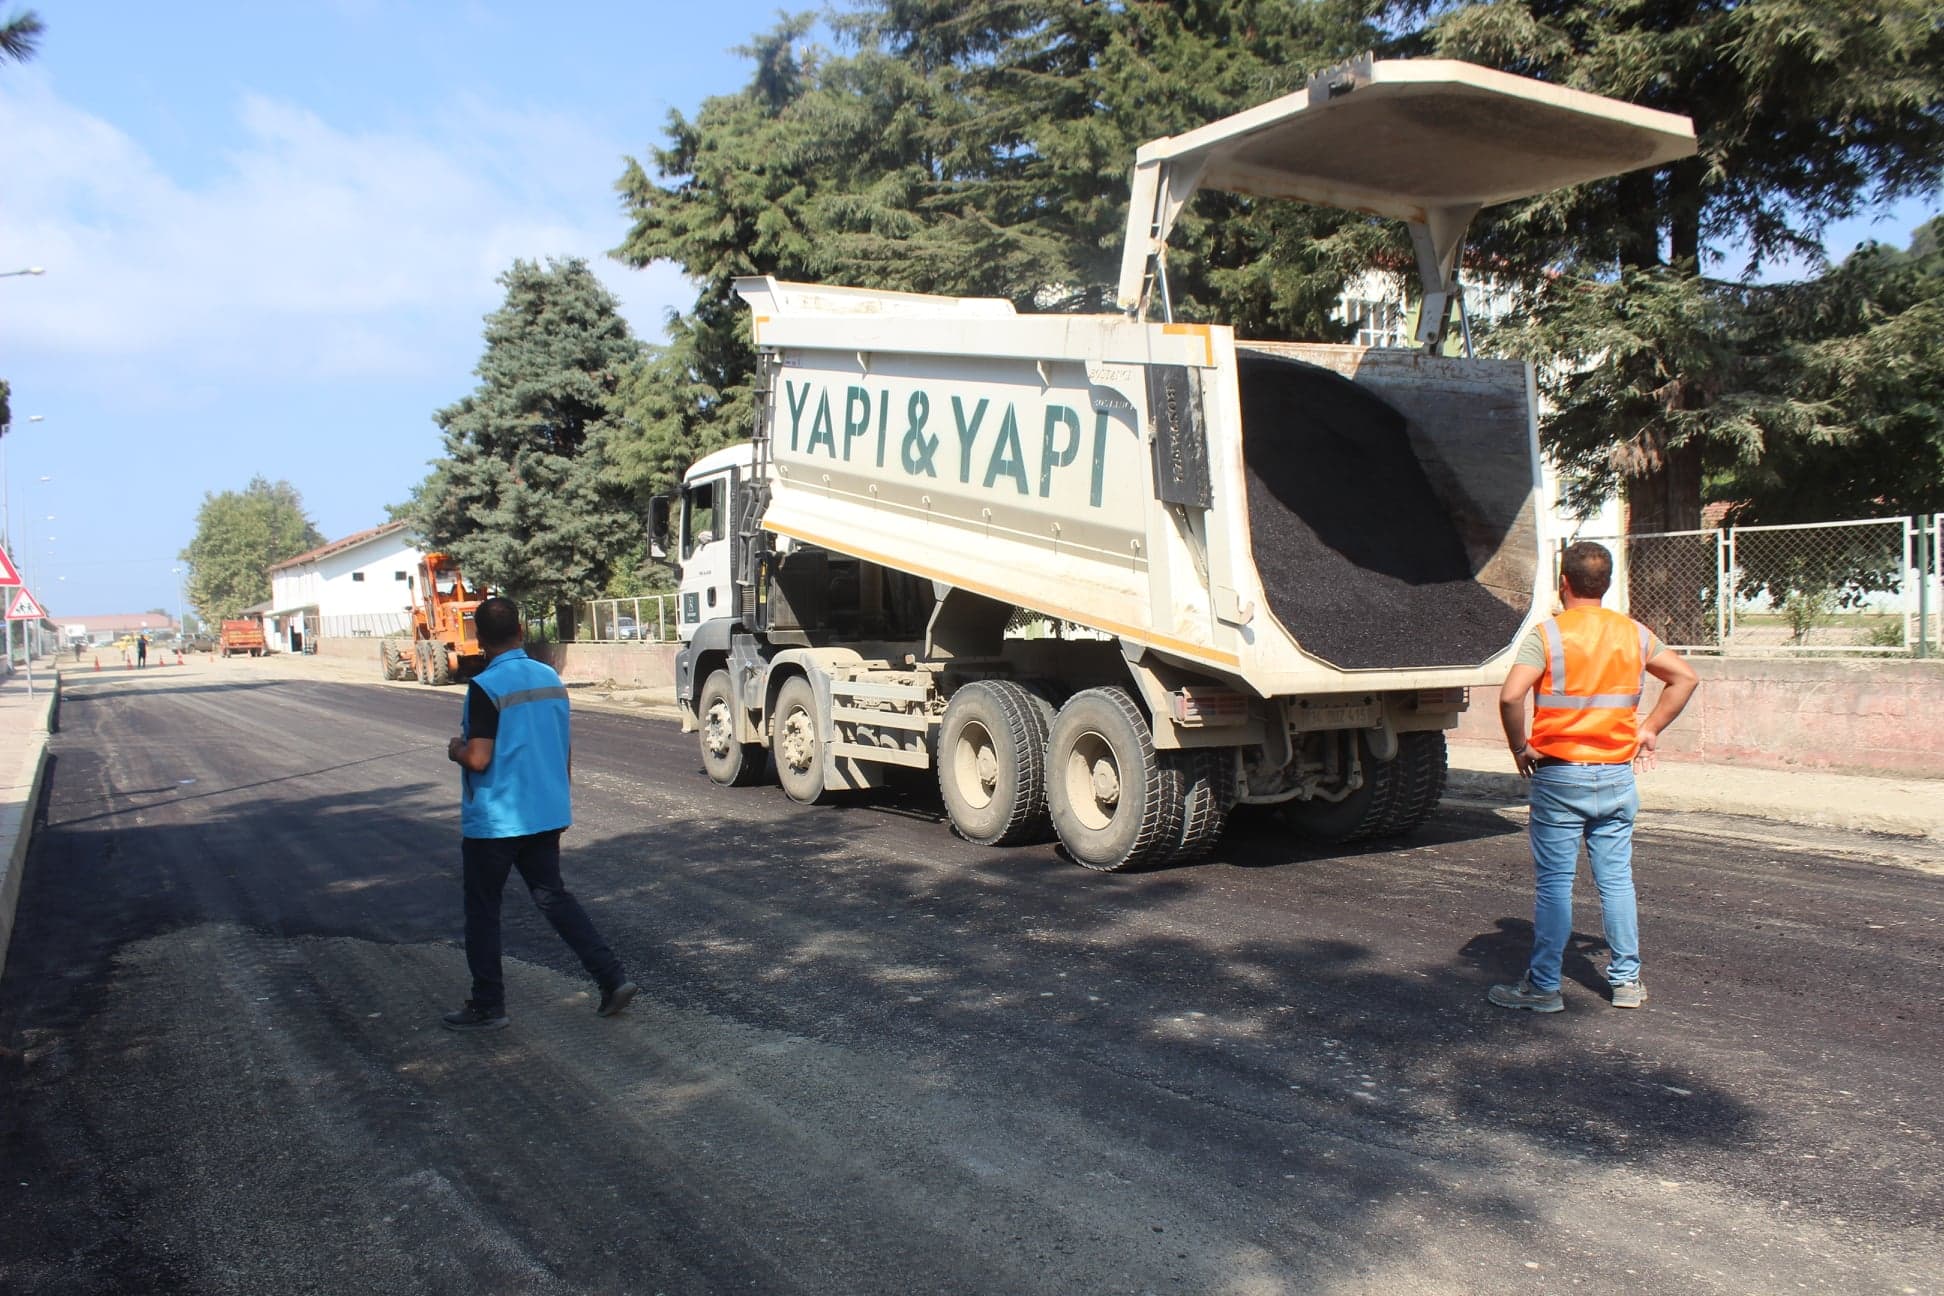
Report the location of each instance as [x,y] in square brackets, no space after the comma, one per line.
[1359,558]
[869,1057]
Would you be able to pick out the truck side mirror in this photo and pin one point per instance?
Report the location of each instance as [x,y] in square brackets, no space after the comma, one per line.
[658,511]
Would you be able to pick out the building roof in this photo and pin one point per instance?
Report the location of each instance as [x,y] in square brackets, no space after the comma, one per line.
[339,546]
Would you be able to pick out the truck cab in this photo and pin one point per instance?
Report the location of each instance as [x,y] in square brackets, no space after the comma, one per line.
[704,534]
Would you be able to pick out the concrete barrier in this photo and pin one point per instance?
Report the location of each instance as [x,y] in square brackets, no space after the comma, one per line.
[627,665]
[1858,716]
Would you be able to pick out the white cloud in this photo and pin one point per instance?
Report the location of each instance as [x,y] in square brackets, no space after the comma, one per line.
[308,250]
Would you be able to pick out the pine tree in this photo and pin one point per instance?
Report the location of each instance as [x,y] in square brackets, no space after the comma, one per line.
[969,148]
[524,498]
[1806,111]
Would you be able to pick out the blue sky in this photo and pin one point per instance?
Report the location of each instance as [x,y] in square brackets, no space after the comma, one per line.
[270,233]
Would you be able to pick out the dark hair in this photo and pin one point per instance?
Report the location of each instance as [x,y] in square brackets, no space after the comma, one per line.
[498,622]
[1588,569]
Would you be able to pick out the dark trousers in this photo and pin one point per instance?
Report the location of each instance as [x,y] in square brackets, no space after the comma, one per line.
[488,860]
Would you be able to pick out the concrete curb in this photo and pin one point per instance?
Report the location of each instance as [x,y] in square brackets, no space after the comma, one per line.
[17,812]
[1918,821]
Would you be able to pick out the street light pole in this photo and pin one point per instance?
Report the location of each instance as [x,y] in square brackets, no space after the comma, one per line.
[30,270]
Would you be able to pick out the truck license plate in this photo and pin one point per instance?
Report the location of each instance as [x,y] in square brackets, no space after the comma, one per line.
[1363,714]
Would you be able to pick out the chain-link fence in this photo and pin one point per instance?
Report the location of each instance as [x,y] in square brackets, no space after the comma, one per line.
[626,620]
[1859,587]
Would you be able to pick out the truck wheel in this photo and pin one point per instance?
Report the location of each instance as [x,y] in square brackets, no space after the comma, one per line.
[992,763]
[438,665]
[728,762]
[1208,795]
[1114,802]
[796,738]
[421,663]
[388,659]
[1396,796]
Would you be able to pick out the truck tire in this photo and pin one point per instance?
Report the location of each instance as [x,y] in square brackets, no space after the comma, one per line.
[421,663]
[1115,803]
[727,761]
[796,740]
[992,763]
[438,665]
[1396,796]
[1208,795]
[388,662]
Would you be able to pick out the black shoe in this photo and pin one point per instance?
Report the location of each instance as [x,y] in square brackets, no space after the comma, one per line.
[617,1000]
[473,1017]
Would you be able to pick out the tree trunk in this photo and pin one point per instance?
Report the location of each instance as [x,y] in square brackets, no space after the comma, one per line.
[566,622]
[1671,580]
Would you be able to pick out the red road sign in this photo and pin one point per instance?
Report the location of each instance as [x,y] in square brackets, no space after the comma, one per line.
[24,607]
[9,574]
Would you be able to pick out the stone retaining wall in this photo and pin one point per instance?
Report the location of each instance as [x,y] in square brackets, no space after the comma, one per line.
[1855,716]
[627,665]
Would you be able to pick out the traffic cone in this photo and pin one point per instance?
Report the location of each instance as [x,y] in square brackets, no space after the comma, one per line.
[97,661]
[178,656]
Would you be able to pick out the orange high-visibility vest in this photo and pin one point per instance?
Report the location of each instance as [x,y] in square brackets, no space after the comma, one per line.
[1596,670]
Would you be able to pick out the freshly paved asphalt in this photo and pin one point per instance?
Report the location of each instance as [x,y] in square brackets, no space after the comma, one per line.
[872,1058]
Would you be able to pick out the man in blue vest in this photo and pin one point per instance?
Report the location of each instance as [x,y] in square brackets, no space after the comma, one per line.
[516,760]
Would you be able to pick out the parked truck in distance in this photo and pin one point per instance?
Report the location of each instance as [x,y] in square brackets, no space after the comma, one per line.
[1106,577]
[244,635]
[444,647]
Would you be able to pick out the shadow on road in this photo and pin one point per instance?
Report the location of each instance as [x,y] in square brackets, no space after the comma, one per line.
[1135,1024]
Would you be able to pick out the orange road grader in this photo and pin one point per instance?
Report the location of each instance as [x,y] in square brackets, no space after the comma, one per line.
[444,647]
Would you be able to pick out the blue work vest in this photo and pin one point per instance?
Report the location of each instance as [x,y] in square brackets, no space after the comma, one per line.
[524,787]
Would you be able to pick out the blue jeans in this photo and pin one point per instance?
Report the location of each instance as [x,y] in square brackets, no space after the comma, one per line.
[1595,804]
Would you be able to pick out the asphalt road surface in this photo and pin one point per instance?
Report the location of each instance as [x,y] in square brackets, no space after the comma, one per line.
[869,1057]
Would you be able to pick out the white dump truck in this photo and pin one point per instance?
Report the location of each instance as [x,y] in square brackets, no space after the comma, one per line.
[1108,576]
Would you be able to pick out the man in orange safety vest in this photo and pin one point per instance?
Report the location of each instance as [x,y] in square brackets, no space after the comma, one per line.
[1588,666]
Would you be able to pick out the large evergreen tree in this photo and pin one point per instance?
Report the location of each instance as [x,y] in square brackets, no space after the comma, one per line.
[968,148]
[981,147]
[523,498]
[239,536]
[1806,111]
[1856,357]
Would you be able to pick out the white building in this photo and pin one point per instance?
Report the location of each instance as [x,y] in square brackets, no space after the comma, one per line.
[357,587]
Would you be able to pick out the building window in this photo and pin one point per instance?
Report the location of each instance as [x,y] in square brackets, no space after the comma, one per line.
[400,576]
[1377,323]
[357,576]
